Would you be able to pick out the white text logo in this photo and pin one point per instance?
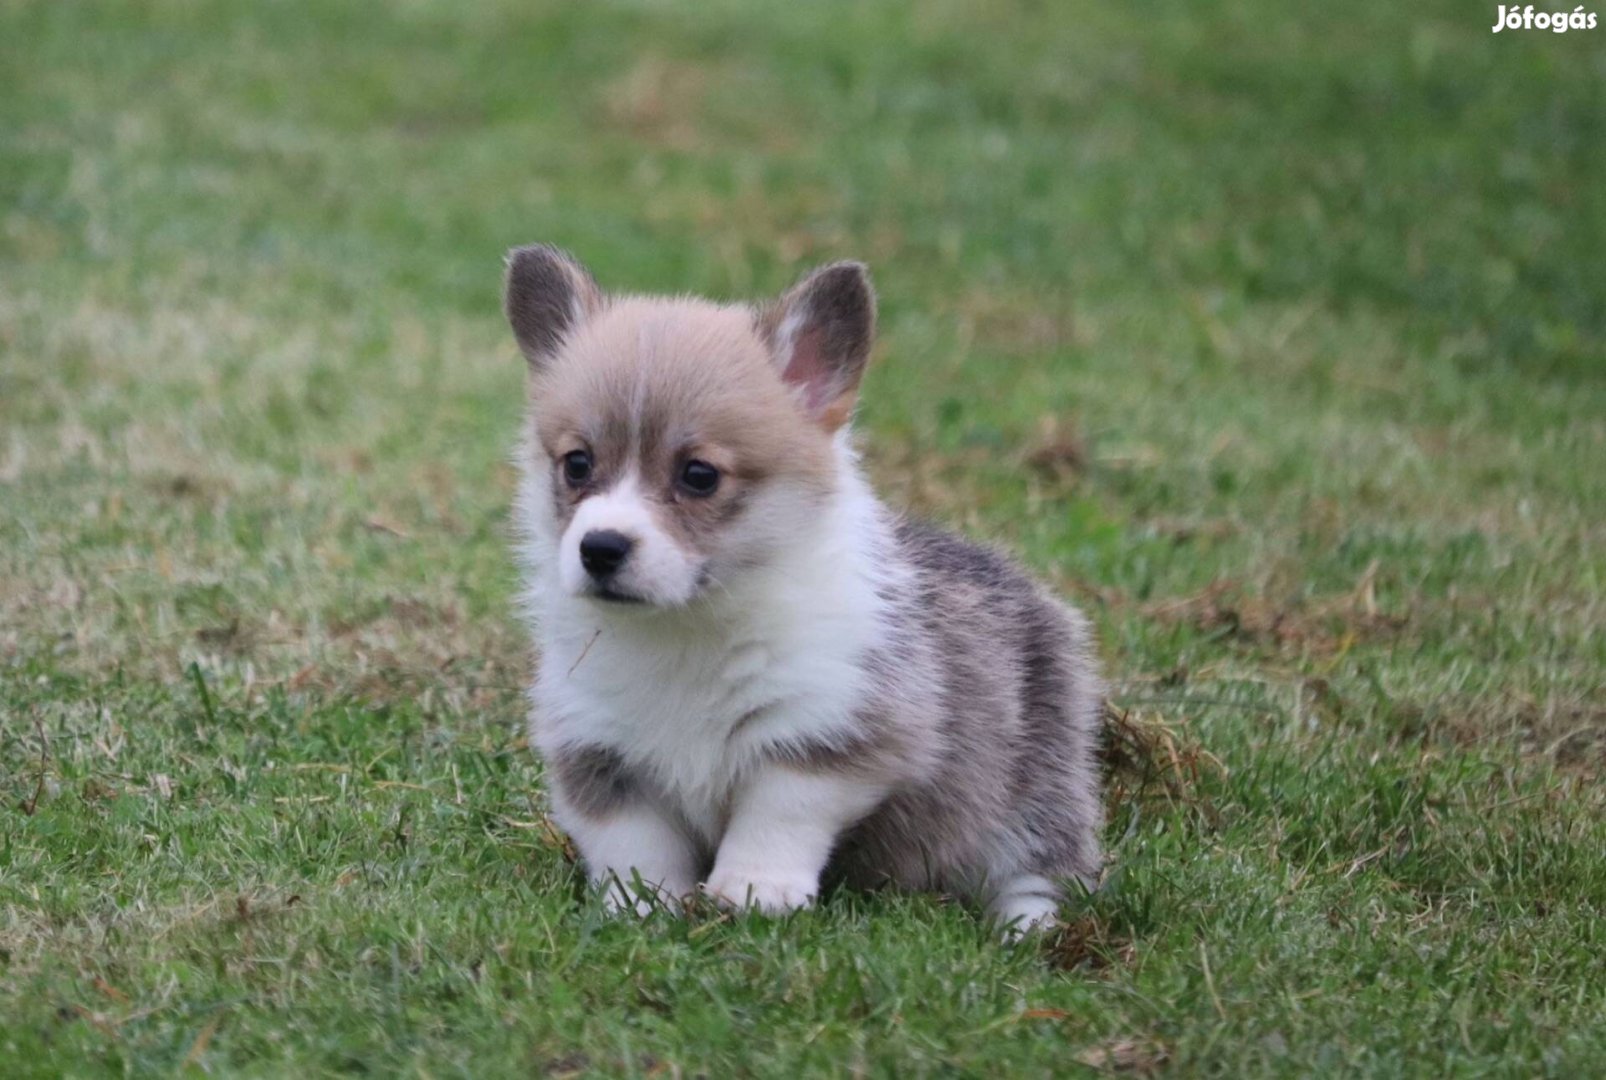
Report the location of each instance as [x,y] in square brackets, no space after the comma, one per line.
[1558,21]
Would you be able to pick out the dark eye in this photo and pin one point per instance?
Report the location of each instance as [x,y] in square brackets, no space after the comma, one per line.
[576,467]
[699,478]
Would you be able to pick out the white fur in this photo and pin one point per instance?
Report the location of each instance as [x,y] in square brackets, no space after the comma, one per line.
[786,333]
[693,695]
[782,828]
[657,571]
[637,842]
[1024,904]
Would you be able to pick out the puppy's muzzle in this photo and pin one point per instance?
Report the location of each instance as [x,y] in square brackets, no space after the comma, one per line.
[603,552]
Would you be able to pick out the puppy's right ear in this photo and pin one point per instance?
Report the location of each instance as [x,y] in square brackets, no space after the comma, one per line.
[548,294]
[820,334]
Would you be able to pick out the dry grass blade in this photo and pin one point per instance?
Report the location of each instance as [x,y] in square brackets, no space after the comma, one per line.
[1148,756]
[1140,1056]
[1086,944]
[31,804]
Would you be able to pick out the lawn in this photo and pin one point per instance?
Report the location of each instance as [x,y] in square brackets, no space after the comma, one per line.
[1274,335]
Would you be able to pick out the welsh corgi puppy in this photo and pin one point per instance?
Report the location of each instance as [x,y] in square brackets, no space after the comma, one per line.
[752,674]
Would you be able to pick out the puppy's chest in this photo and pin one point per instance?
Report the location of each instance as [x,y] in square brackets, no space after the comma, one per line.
[693,716]
[678,696]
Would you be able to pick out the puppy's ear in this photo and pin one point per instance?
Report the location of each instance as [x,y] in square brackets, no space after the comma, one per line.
[546,296]
[820,334]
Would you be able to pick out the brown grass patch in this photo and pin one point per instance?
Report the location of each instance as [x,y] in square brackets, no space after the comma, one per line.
[1569,734]
[1324,625]
[1148,757]
[1086,944]
[1059,452]
[658,101]
[1135,1056]
[1015,323]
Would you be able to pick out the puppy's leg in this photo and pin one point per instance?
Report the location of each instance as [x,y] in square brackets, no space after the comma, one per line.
[784,823]
[633,849]
[622,834]
[1024,904]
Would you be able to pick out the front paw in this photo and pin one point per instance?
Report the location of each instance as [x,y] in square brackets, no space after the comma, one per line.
[769,892]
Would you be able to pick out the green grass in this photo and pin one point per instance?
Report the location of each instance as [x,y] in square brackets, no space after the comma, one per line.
[1275,335]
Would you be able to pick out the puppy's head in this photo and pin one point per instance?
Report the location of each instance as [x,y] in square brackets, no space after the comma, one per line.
[677,444]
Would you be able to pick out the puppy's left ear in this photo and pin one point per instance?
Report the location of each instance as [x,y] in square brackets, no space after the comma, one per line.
[819,334]
[547,295]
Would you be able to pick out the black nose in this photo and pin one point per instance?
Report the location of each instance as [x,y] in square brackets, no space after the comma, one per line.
[603,551]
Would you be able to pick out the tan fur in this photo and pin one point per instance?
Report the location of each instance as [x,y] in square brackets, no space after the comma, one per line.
[648,384]
[797,682]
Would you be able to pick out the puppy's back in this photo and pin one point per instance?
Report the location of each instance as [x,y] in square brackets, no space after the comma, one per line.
[1010,674]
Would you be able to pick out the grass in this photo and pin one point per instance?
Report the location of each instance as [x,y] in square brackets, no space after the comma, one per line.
[1276,337]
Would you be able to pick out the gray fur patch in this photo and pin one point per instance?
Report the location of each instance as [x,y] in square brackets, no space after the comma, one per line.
[990,712]
[593,779]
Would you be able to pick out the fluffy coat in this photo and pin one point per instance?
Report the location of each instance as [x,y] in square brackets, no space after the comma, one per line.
[781,680]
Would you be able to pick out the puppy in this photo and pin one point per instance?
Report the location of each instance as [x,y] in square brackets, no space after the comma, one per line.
[751,673]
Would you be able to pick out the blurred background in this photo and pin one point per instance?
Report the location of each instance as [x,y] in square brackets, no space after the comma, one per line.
[1262,293]
[1274,335]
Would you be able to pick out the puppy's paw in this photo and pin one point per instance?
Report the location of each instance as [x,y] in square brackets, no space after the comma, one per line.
[769,892]
[1021,928]
[1022,915]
